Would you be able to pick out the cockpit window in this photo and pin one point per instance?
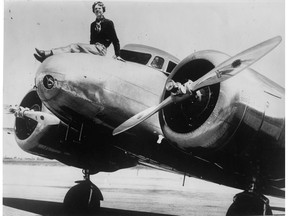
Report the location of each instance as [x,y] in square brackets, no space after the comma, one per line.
[157,62]
[141,58]
[171,66]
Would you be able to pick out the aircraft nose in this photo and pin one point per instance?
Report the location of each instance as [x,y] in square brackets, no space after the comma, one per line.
[72,83]
[68,78]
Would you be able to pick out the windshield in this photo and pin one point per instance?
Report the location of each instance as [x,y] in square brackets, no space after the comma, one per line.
[141,58]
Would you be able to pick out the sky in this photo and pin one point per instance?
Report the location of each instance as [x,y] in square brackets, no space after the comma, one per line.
[178,27]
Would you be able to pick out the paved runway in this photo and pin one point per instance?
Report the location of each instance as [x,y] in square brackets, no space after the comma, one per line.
[40,190]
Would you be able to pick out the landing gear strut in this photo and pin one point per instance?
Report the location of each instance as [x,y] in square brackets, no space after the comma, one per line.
[83,198]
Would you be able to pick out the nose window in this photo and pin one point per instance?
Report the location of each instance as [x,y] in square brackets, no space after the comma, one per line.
[48,81]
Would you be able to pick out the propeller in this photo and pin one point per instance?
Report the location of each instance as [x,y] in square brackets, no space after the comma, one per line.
[40,117]
[222,72]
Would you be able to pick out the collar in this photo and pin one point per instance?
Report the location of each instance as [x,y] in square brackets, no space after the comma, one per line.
[100,19]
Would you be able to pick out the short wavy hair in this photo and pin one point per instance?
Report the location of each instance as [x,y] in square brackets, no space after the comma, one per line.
[101,4]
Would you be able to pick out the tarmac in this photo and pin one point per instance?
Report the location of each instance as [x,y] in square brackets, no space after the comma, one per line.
[39,189]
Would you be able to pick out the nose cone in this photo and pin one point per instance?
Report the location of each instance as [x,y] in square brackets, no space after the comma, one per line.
[72,82]
[67,72]
[49,79]
[99,88]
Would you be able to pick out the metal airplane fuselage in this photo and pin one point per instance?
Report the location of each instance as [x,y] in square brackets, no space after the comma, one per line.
[100,89]
[108,92]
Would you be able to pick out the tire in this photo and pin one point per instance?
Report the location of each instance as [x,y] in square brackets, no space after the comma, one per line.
[81,200]
[248,204]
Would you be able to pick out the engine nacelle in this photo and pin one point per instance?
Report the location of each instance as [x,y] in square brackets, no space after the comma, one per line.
[241,108]
[72,144]
[31,135]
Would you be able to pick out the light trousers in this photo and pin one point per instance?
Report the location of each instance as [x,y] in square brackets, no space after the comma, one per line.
[96,49]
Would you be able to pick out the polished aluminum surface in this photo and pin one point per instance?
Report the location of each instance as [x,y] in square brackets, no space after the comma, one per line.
[99,88]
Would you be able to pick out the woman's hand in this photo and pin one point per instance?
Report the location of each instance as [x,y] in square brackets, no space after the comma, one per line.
[119,58]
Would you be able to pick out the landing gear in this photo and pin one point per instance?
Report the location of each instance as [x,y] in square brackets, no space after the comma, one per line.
[249,203]
[84,198]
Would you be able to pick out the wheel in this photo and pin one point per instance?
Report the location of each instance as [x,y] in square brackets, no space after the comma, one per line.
[82,199]
[249,204]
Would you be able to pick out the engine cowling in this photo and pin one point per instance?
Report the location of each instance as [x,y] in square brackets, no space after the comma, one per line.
[243,107]
[31,135]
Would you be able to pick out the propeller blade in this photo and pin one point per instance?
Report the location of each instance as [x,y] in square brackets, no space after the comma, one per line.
[237,63]
[40,117]
[142,116]
[9,109]
[9,130]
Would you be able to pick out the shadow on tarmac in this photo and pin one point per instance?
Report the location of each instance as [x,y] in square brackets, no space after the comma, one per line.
[47,208]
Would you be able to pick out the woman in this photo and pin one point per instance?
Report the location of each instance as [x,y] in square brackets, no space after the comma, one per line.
[102,34]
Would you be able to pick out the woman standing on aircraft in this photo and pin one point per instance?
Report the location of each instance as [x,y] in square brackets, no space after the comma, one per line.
[102,34]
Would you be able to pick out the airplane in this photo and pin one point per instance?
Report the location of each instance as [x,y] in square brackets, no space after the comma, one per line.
[209,116]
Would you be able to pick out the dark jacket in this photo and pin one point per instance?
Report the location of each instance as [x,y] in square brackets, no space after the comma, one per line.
[106,36]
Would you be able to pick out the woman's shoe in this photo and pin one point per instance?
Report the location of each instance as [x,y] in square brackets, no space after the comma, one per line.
[40,52]
[39,58]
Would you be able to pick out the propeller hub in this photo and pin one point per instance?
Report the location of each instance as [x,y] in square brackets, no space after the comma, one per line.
[176,88]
